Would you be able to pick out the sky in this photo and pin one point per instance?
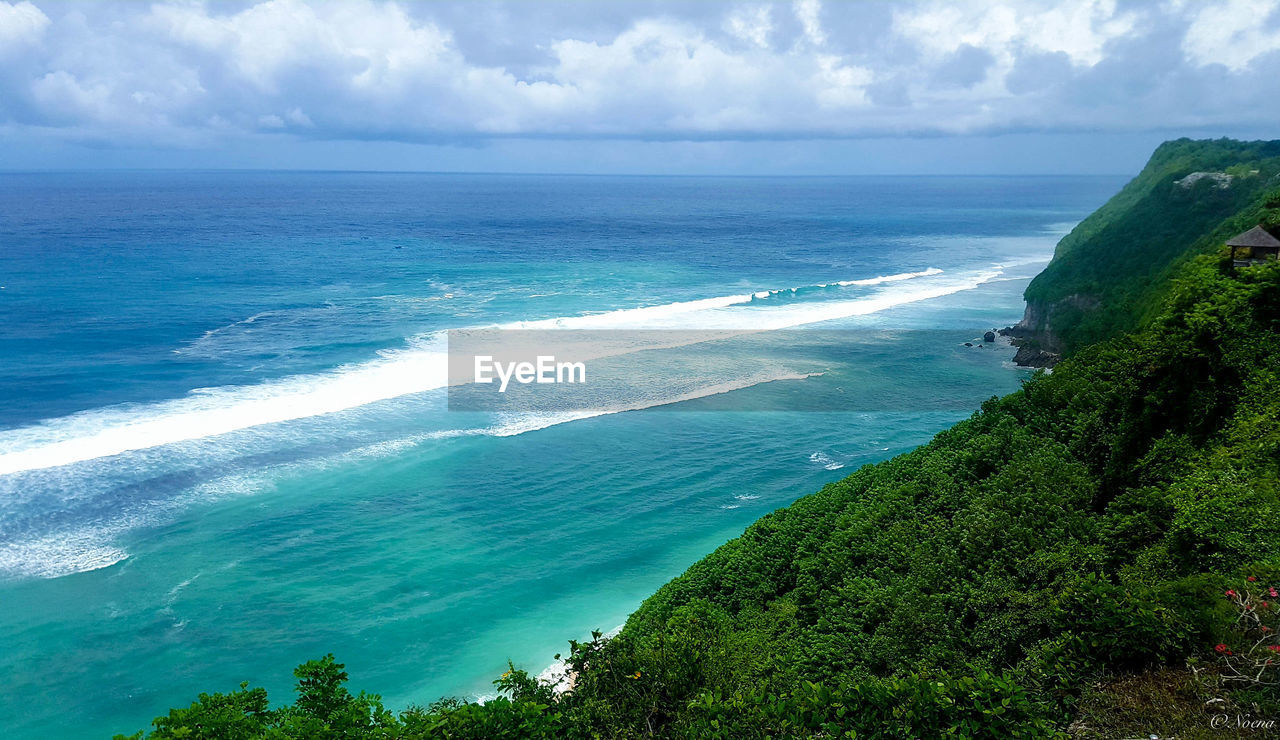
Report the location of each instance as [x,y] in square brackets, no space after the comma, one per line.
[646,86]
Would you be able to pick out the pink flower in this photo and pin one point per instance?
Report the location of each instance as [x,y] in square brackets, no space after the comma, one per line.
[1273,592]
[1220,648]
[1251,579]
[1230,593]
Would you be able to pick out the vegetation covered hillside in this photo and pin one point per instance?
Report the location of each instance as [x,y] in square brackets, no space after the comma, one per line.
[1096,555]
[1112,270]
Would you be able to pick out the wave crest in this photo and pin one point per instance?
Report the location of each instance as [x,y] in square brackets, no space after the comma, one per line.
[419,367]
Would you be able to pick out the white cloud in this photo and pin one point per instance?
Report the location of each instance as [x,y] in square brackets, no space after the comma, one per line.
[20,24]
[1232,33]
[182,71]
[1079,29]
[358,44]
[751,24]
[70,99]
[660,76]
[808,12]
[841,85]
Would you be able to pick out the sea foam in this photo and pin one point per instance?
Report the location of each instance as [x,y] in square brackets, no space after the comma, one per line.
[421,366]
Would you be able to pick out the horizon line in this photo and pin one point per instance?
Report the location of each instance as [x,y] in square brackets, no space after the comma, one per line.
[335,171]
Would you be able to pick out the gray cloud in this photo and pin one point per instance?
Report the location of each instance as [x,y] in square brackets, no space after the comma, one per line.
[966,67]
[1035,72]
[179,73]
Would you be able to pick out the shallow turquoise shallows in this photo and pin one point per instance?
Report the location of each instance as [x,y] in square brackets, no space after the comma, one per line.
[225,448]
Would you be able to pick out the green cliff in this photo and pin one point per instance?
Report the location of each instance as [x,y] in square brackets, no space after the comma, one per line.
[1110,273]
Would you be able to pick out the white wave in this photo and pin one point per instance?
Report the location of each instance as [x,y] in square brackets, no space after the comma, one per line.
[91,547]
[825,461]
[648,317]
[1035,259]
[215,411]
[557,675]
[60,554]
[800,314]
[81,548]
[864,282]
[420,367]
[890,278]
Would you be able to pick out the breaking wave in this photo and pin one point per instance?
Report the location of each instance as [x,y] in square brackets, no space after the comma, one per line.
[422,366]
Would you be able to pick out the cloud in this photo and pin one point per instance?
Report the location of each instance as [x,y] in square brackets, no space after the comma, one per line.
[1232,33]
[752,24]
[1080,30]
[807,12]
[20,24]
[187,73]
[1035,72]
[966,67]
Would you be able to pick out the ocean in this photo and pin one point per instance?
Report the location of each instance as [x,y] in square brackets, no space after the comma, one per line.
[226,448]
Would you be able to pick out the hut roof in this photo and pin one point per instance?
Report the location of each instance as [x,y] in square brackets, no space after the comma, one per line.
[1255,237]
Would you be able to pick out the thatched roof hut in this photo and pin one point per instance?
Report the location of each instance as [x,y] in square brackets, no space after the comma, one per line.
[1255,237]
[1254,246]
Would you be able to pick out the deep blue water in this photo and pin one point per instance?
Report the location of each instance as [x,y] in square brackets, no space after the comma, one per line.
[222,450]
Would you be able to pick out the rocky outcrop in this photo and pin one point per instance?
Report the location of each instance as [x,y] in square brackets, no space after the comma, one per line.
[1220,180]
[1027,356]
[1038,345]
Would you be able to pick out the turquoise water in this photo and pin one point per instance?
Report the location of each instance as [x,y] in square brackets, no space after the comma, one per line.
[225,449]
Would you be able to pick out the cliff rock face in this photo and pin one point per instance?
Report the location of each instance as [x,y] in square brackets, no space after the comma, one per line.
[1038,345]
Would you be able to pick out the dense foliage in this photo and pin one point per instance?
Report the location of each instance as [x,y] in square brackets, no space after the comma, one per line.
[1047,566]
[1112,271]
